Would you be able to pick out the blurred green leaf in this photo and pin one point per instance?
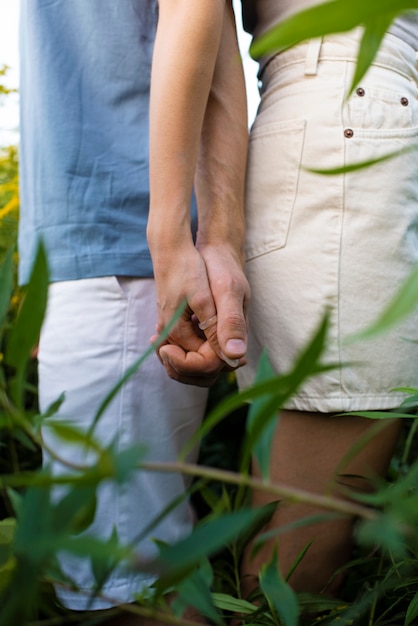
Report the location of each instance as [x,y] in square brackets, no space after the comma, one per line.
[382,415]
[104,563]
[177,560]
[76,510]
[278,593]
[412,611]
[354,167]
[15,500]
[385,532]
[264,413]
[7,570]
[226,602]
[263,416]
[52,409]
[25,332]
[334,17]
[281,530]
[126,461]
[7,531]
[266,513]
[6,284]
[374,32]
[195,591]
[327,18]
[66,431]
[135,366]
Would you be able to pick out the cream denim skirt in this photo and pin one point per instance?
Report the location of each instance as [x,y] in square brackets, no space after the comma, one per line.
[346,242]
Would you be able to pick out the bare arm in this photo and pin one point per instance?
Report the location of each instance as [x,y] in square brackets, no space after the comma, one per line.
[219,184]
[190,113]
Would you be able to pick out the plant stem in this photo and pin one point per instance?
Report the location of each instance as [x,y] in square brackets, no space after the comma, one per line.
[290,493]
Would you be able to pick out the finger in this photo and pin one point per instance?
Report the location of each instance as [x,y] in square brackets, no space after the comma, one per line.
[193,368]
[232,333]
[154,340]
[184,334]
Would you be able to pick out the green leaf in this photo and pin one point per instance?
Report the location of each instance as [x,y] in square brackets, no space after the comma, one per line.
[412,611]
[195,591]
[54,407]
[6,284]
[264,415]
[262,420]
[374,32]
[76,510]
[330,17]
[171,506]
[33,541]
[354,167]
[254,529]
[177,560]
[299,558]
[226,602]
[7,531]
[135,366]
[384,531]
[381,415]
[25,332]
[403,304]
[126,461]
[278,593]
[285,384]
[67,432]
[299,523]
[7,570]
[15,500]
[104,563]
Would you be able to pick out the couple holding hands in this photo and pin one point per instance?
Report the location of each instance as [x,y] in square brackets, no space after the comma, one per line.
[134,111]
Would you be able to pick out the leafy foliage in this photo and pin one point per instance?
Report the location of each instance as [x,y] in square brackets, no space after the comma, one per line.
[203,569]
[334,17]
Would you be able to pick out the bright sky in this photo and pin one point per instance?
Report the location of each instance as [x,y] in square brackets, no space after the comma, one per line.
[9,115]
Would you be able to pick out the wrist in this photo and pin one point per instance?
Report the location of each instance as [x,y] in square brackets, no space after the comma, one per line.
[225,243]
[167,234]
[230,250]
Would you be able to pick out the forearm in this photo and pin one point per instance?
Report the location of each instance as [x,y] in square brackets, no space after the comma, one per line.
[185,53]
[220,173]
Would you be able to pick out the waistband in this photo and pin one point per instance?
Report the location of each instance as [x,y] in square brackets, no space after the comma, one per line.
[394,54]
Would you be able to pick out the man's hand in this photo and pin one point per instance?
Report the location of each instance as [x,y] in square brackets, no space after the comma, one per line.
[211,334]
[230,291]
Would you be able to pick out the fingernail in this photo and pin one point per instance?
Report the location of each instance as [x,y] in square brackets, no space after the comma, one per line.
[236,346]
[228,361]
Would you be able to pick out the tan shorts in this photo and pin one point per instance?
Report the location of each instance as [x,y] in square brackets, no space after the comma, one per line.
[345,242]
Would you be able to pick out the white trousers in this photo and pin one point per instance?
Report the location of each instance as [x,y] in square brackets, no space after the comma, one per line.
[94,330]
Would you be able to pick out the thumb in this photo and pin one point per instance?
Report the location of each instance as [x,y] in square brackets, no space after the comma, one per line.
[231,331]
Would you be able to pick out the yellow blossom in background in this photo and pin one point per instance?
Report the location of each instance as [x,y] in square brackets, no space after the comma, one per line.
[9,197]
[9,185]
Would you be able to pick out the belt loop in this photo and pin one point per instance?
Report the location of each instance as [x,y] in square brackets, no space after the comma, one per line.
[312,56]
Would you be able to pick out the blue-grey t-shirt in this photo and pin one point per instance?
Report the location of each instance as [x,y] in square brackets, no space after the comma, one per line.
[85,78]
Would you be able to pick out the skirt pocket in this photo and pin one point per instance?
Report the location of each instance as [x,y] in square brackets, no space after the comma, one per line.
[272,180]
